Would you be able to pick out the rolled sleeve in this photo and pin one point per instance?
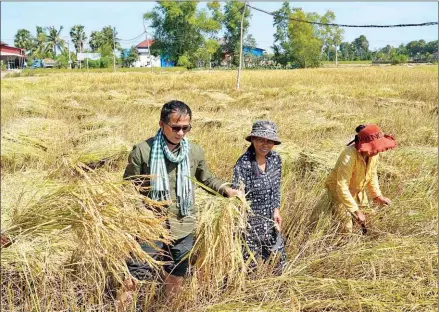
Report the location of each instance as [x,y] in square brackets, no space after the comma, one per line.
[344,175]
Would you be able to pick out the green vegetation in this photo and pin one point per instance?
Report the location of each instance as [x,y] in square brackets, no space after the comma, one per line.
[189,36]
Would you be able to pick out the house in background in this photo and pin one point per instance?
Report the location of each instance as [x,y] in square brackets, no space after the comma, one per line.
[12,57]
[165,62]
[250,54]
[258,52]
[144,56]
[144,60]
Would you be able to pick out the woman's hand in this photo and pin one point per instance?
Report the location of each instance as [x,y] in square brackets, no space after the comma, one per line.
[381,200]
[277,219]
[361,218]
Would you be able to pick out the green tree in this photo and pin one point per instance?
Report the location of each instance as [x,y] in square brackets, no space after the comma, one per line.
[232,23]
[23,39]
[332,36]
[388,50]
[104,37]
[325,32]
[180,30]
[78,36]
[305,45]
[431,47]
[95,40]
[347,51]
[281,45]
[107,37]
[205,54]
[54,41]
[62,61]
[402,50]
[249,41]
[129,58]
[39,49]
[362,47]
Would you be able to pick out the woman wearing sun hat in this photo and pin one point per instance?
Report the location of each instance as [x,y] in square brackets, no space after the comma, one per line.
[356,172]
[259,170]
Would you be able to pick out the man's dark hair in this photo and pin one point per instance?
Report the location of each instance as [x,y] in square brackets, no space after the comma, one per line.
[174,106]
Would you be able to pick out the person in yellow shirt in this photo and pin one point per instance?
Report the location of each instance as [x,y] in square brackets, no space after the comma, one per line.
[355,175]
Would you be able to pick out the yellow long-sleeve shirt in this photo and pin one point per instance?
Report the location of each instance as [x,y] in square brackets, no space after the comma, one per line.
[352,177]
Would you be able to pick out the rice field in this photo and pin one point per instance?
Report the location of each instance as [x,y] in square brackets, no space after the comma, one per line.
[65,142]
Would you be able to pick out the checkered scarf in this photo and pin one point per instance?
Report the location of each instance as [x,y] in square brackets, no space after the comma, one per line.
[160,181]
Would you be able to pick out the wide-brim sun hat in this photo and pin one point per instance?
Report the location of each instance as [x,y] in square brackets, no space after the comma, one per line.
[264,129]
[372,140]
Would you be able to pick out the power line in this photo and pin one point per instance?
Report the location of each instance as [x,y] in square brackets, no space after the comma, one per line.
[346,25]
[132,39]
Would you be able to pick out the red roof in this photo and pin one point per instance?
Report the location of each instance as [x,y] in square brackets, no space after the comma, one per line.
[145,44]
[8,49]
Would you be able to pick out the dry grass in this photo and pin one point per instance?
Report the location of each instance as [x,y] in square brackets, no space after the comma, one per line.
[50,124]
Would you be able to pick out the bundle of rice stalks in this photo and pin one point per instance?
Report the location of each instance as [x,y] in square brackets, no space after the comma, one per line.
[30,140]
[32,107]
[99,121]
[81,233]
[101,152]
[70,108]
[19,188]
[313,162]
[208,122]
[95,128]
[148,103]
[115,95]
[217,252]
[219,97]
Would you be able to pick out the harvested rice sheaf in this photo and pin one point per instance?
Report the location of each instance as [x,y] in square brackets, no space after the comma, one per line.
[82,230]
[28,141]
[217,252]
[97,153]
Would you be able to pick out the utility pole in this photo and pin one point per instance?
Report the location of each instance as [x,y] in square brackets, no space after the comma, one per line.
[240,51]
[147,44]
[68,51]
[114,50]
[336,56]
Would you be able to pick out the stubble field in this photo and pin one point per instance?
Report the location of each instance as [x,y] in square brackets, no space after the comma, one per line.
[68,221]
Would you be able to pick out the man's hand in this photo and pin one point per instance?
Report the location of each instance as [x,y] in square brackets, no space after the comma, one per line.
[381,200]
[232,192]
[277,219]
[361,218]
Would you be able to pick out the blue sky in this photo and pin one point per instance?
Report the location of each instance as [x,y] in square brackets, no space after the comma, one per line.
[127,18]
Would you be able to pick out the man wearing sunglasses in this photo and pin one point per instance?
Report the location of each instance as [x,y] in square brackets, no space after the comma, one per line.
[171,158]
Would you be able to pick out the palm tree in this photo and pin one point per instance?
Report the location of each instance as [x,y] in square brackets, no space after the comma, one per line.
[39,47]
[107,37]
[23,39]
[54,40]
[78,37]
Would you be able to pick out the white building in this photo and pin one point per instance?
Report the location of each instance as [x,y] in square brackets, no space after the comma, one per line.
[144,58]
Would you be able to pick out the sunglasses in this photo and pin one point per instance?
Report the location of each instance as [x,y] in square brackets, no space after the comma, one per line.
[179,128]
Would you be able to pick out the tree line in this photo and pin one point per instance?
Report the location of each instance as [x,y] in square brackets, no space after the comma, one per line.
[194,37]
